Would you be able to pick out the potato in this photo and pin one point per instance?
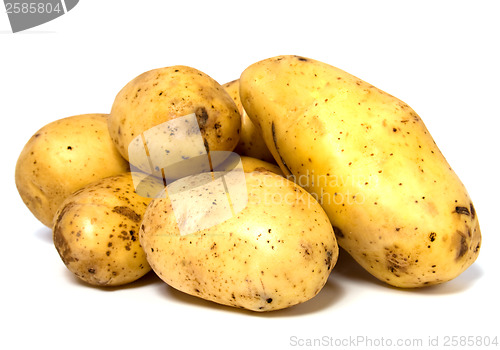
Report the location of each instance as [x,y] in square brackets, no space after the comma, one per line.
[276,252]
[161,95]
[96,231]
[62,157]
[253,164]
[251,143]
[396,205]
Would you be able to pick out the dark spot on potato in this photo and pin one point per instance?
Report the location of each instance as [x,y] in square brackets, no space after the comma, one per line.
[273,130]
[328,260]
[306,249]
[70,148]
[396,262]
[127,212]
[338,232]
[62,245]
[92,271]
[303,59]
[462,210]
[463,246]
[477,247]
[201,116]
[60,241]
[472,211]
[432,236]
[269,300]
[132,237]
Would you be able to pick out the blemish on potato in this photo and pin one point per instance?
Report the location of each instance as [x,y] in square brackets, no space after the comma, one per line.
[462,245]
[462,210]
[132,237]
[60,242]
[306,249]
[472,211]
[328,260]
[201,116]
[62,246]
[127,212]
[396,262]
[432,236]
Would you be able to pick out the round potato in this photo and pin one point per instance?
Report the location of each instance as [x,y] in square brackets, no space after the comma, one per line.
[161,95]
[253,164]
[62,157]
[251,142]
[274,251]
[96,231]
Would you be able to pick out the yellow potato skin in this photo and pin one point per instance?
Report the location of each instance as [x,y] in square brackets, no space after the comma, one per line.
[163,94]
[62,157]
[96,232]
[275,253]
[251,143]
[251,164]
[396,205]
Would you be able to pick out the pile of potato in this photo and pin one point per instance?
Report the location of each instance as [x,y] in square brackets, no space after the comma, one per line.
[326,159]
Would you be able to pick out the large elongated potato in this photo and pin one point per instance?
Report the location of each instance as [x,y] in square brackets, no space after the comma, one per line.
[276,252]
[396,205]
[63,157]
[163,94]
[251,143]
[96,230]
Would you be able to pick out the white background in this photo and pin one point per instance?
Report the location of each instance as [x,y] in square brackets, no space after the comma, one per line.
[441,57]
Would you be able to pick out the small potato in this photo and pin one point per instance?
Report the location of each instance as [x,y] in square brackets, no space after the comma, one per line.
[251,142]
[96,231]
[63,157]
[276,252]
[253,164]
[164,94]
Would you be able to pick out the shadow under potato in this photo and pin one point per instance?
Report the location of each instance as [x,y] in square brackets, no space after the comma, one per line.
[331,294]
[149,278]
[44,233]
[347,269]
